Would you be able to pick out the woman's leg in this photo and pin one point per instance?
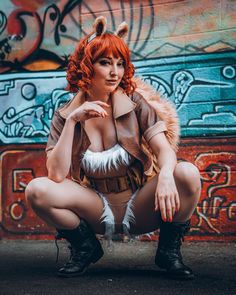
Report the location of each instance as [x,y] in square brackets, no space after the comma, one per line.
[62,204]
[168,256]
[187,179]
[73,210]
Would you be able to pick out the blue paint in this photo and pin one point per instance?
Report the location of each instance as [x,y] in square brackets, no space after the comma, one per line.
[202,88]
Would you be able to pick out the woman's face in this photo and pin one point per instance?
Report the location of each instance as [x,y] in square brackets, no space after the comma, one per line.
[108,73]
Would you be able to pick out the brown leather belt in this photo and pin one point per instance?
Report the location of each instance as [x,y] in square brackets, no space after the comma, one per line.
[112,184]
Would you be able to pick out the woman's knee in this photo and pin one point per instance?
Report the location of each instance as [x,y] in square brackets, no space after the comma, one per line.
[188,176]
[36,192]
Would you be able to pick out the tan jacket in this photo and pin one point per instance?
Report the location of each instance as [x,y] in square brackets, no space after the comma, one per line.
[136,122]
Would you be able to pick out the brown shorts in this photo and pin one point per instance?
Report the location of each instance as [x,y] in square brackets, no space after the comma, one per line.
[117,212]
[116,179]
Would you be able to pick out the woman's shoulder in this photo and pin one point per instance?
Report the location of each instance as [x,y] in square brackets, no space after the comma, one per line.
[57,120]
[136,96]
[144,91]
[64,110]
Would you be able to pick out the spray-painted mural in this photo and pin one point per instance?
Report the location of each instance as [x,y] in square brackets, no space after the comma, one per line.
[185,49]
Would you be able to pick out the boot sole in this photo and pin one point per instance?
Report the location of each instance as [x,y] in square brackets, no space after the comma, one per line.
[186,278]
[172,276]
[93,260]
[72,275]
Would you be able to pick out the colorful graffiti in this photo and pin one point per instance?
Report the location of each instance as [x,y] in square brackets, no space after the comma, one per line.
[186,50]
[40,35]
[214,217]
[218,185]
[188,89]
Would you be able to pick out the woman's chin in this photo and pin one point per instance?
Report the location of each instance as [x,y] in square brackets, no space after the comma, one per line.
[111,88]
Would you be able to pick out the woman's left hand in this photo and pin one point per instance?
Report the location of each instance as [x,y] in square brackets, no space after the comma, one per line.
[166,197]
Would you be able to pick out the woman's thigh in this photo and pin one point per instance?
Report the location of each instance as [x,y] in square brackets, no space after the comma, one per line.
[146,218]
[187,181]
[67,194]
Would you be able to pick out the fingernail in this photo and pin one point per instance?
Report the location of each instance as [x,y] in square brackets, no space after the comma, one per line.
[164,219]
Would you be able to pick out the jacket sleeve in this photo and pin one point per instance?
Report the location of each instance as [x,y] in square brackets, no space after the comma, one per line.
[56,128]
[150,123]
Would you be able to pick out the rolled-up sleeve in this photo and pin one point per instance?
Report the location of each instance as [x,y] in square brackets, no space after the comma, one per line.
[150,123]
[56,128]
[158,127]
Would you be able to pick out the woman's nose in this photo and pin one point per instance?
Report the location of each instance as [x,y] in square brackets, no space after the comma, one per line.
[114,71]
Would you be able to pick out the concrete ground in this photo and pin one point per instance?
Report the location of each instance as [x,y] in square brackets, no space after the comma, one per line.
[28,267]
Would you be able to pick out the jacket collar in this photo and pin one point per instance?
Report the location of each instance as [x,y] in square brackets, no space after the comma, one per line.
[121,103]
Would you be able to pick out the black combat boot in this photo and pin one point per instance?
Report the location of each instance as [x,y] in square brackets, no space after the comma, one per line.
[168,254]
[84,247]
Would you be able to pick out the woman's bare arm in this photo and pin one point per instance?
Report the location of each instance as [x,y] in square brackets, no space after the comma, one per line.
[59,159]
[166,196]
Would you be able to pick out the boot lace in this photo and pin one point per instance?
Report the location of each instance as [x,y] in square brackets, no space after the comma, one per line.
[171,242]
[74,253]
[57,237]
[76,257]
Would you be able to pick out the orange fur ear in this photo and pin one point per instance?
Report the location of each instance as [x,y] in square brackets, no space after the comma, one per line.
[122,30]
[100,25]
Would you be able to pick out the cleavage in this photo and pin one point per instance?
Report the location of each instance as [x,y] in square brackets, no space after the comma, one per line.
[101,133]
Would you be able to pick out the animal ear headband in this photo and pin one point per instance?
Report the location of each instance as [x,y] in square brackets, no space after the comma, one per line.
[100,28]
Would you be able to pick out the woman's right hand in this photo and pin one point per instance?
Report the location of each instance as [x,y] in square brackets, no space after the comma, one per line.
[89,110]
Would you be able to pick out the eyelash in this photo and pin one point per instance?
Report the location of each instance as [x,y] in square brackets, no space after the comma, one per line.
[105,62]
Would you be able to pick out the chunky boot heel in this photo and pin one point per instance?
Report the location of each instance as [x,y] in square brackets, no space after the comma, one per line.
[99,254]
[168,255]
[84,249]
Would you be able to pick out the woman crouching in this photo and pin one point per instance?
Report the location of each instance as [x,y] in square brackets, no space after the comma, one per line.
[107,137]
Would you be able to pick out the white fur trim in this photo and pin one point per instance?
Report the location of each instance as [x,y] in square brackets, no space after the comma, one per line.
[129,215]
[107,217]
[114,157]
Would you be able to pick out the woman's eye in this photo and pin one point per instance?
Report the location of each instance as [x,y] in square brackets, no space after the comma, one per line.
[120,64]
[104,62]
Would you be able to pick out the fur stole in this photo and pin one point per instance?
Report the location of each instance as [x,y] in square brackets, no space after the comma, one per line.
[165,109]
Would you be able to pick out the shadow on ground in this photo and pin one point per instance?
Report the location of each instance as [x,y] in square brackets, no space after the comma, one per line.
[28,267]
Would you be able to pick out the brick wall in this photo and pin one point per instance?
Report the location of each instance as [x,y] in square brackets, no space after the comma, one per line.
[185,49]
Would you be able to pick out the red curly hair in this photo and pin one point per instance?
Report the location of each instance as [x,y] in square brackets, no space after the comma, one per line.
[80,66]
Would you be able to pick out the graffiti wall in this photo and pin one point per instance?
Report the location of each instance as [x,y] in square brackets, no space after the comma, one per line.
[186,49]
